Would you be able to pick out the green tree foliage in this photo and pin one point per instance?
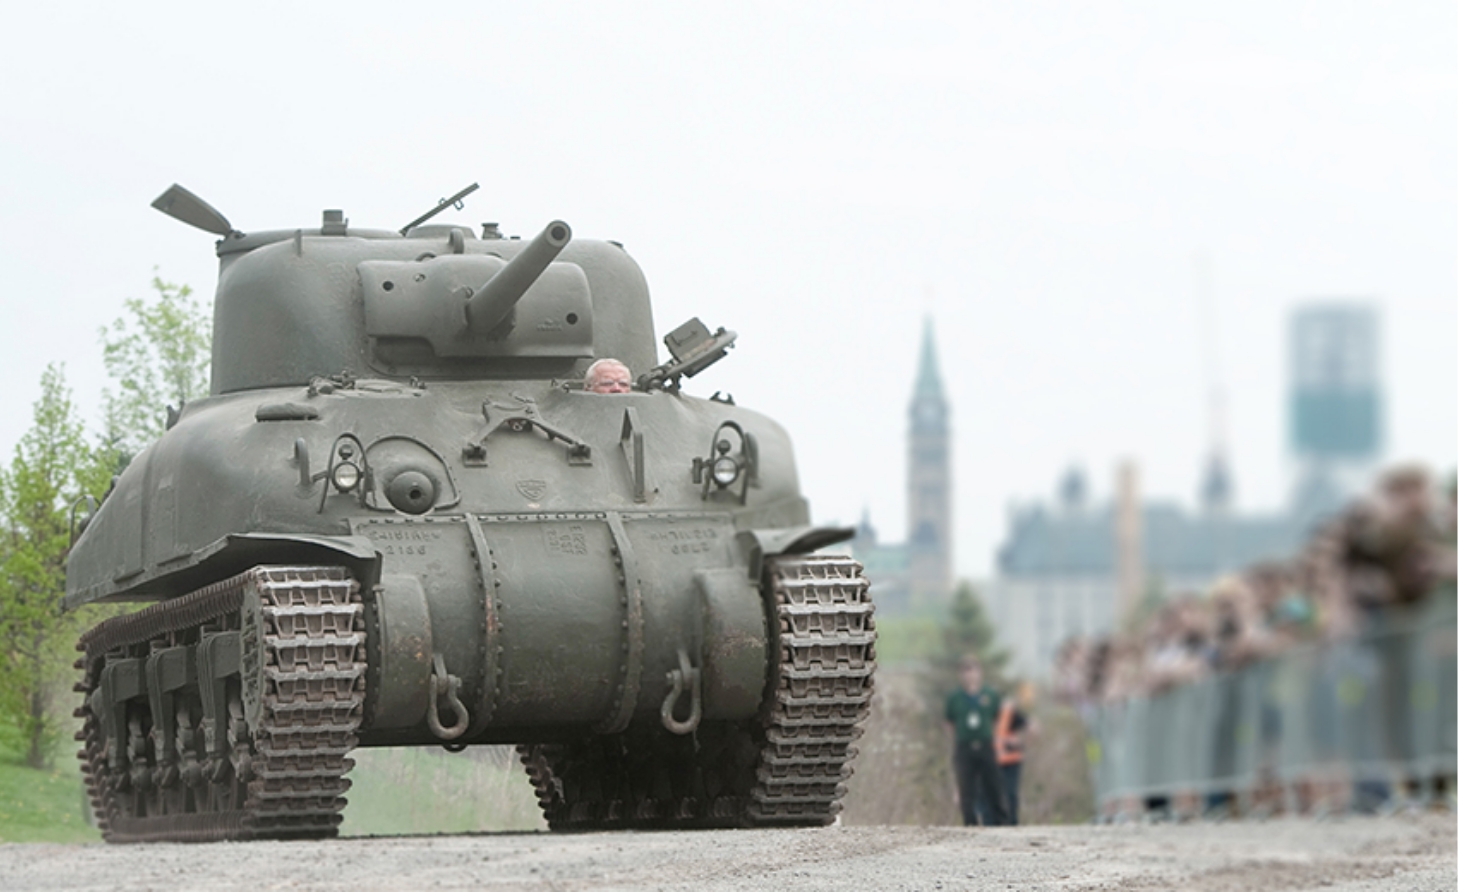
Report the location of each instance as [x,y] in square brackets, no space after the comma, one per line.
[52,466]
[158,354]
[969,632]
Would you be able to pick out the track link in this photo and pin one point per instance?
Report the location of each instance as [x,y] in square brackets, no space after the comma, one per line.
[292,713]
[789,767]
[821,693]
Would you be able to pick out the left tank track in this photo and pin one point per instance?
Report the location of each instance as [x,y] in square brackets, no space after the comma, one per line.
[227,713]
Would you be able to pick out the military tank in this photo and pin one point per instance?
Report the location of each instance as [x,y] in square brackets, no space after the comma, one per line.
[399,519]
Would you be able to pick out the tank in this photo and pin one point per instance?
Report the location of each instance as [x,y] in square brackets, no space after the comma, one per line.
[400,520]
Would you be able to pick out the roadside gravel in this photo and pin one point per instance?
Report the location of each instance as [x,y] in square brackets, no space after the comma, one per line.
[1403,853]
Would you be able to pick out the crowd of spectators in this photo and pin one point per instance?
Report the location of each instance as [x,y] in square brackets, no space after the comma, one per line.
[1381,556]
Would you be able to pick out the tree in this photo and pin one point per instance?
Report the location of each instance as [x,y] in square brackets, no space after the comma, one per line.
[926,768]
[159,356]
[52,467]
[157,353]
[969,631]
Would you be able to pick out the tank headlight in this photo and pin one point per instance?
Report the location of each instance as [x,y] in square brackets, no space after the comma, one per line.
[346,476]
[725,470]
[725,467]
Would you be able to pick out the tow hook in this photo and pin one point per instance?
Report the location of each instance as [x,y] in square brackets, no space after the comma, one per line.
[443,684]
[685,676]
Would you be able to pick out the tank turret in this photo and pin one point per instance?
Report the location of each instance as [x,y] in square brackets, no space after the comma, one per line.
[400,520]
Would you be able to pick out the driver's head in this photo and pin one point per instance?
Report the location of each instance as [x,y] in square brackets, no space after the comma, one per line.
[607,376]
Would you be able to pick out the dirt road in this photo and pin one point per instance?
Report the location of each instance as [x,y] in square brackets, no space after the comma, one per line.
[1415,853]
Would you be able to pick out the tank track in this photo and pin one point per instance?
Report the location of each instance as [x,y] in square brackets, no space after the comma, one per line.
[821,692]
[788,767]
[292,713]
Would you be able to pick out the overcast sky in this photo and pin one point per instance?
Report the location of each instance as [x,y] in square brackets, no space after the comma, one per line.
[1037,176]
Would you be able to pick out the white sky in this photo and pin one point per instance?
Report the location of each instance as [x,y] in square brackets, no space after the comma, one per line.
[1039,176]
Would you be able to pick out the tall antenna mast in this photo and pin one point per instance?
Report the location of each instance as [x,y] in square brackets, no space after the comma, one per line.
[1216,489]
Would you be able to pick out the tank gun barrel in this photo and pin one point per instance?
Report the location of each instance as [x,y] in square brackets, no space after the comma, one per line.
[493,301]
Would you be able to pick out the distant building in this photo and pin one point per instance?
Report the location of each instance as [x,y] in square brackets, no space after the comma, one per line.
[1057,572]
[1058,569]
[918,573]
[1335,402]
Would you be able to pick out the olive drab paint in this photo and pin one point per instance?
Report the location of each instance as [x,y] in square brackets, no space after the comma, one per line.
[505,557]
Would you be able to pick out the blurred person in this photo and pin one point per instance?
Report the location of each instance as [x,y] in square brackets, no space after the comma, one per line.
[1073,667]
[1442,556]
[1177,645]
[1291,620]
[1236,624]
[1262,615]
[972,712]
[1362,570]
[1122,680]
[1096,673]
[1234,645]
[1382,546]
[1273,584]
[1014,727]
[1323,573]
[1392,563]
[1446,537]
[1124,670]
[607,375]
[1336,620]
[1252,616]
[1063,684]
[1397,528]
[1448,516]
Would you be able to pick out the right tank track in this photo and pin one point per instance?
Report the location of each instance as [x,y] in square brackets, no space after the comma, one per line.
[226,713]
[787,767]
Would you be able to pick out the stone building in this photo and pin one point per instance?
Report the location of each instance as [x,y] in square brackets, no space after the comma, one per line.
[1058,572]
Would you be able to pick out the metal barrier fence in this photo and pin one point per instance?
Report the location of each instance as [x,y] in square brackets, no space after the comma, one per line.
[1379,709]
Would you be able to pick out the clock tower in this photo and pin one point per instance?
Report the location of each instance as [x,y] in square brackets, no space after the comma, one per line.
[929,483]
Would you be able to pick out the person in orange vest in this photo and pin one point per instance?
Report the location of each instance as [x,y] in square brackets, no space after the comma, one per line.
[1009,741]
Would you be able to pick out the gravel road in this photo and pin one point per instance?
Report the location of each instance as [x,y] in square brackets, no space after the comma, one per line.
[1406,853]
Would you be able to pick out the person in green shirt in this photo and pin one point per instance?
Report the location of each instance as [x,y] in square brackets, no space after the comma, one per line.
[972,713]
